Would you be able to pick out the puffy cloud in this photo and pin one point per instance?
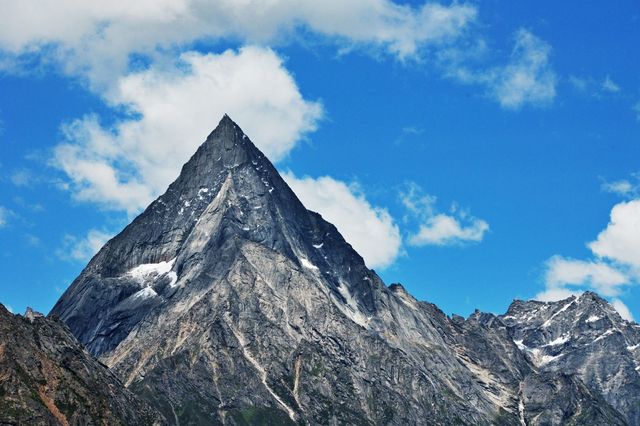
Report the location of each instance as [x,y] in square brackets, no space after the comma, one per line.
[96,38]
[369,229]
[620,241]
[622,309]
[440,229]
[616,264]
[603,278]
[172,110]
[527,78]
[82,249]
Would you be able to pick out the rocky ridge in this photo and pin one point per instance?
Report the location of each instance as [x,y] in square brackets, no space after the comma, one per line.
[47,378]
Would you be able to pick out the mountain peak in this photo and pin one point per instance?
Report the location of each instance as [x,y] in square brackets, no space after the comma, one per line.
[228,197]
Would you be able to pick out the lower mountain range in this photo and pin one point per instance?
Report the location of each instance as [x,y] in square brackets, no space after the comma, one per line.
[228,302]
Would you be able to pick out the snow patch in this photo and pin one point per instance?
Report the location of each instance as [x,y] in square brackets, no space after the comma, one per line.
[593,318]
[145,293]
[318,246]
[306,264]
[539,359]
[146,269]
[564,308]
[603,335]
[559,341]
[351,310]
[632,348]
[150,271]
[202,191]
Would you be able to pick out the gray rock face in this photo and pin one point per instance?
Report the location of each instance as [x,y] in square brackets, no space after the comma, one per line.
[227,302]
[47,378]
[584,337]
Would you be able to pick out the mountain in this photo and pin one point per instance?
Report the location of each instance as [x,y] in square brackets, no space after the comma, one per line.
[46,378]
[228,302]
[585,337]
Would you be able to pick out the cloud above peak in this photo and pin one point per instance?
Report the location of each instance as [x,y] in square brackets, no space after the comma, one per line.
[170,111]
[614,266]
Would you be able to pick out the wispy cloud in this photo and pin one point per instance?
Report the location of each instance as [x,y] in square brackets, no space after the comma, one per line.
[527,79]
[23,178]
[436,228]
[610,86]
[636,108]
[81,249]
[5,214]
[628,188]
[596,87]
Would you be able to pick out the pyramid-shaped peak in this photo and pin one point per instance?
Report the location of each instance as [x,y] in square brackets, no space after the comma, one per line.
[226,150]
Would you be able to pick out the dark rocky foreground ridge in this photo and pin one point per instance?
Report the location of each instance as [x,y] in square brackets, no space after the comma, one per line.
[228,302]
[47,378]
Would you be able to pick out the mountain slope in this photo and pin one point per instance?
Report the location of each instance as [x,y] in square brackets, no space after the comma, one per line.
[47,378]
[582,336]
[227,302]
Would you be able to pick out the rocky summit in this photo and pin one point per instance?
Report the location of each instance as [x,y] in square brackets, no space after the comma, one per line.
[228,302]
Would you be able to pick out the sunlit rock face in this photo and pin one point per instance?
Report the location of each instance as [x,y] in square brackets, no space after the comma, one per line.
[228,302]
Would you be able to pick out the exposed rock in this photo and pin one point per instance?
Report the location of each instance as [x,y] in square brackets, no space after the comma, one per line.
[582,336]
[46,378]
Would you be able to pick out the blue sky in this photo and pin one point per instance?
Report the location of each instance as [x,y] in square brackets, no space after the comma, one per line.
[476,152]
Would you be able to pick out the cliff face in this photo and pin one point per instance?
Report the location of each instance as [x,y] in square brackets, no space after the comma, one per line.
[227,302]
[47,378]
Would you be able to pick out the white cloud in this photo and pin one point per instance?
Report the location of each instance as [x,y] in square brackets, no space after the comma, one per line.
[173,110]
[620,241]
[603,278]
[96,38]
[446,230]
[369,229]
[555,294]
[610,86]
[616,262]
[622,309]
[440,229]
[83,248]
[527,78]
